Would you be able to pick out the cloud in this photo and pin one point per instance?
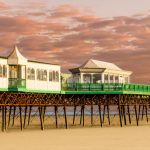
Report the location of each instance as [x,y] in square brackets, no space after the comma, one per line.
[65,10]
[3,6]
[66,36]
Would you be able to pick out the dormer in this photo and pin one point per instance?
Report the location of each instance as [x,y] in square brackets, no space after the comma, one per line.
[16,58]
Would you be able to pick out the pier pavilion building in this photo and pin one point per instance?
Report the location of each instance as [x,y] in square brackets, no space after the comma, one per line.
[18,73]
[95,71]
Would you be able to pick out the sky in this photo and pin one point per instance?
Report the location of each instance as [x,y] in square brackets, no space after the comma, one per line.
[69,32]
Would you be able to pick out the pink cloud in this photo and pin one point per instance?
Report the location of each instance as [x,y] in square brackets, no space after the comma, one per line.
[63,35]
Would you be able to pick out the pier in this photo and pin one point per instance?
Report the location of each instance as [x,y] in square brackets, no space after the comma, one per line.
[126,99]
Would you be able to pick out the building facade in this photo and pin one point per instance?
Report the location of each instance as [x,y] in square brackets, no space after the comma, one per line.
[94,71]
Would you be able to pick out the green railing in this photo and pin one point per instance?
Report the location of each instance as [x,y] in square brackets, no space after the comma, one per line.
[16,83]
[105,87]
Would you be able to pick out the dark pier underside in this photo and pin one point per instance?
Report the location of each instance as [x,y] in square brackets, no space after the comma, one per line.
[23,104]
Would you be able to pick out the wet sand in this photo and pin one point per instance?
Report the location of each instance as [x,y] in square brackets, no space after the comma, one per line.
[112,138]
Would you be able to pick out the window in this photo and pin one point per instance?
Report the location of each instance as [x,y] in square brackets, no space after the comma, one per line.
[111,78]
[97,78]
[31,73]
[50,76]
[4,71]
[13,71]
[116,79]
[54,76]
[44,77]
[41,75]
[126,80]
[106,78]
[57,76]
[38,74]
[1,71]
[28,73]
[87,78]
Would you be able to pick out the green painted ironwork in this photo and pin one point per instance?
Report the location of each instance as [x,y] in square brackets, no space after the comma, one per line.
[106,87]
[16,83]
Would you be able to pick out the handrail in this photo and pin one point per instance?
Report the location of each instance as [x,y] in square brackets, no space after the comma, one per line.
[105,87]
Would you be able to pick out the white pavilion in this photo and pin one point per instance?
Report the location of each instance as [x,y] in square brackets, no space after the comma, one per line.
[95,71]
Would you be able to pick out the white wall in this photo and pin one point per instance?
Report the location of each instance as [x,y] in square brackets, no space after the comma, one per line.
[43,85]
[4,81]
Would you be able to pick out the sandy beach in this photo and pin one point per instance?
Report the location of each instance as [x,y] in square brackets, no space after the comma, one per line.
[112,138]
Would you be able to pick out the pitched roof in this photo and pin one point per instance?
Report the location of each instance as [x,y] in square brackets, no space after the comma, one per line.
[100,64]
[16,57]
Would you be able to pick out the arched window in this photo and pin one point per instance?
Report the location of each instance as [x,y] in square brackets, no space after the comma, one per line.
[38,74]
[50,76]
[1,71]
[53,76]
[28,73]
[57,76]
[32,74]
[4,71]
[45,75]
[41,74]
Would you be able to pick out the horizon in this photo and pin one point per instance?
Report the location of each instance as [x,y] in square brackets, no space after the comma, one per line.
[70,32]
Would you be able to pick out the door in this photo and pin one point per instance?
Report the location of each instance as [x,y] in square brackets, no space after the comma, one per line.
[17,76]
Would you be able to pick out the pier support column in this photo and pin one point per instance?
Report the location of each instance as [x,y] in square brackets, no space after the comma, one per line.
[74,115]
[124,115]
[41,117]
[104,113]
[146,113]
[14,113]
[91,114]
[136,115]
[129,116]
[81,115]
[10,108]
[29,115]
[100,116]
[3,118]
[25,115]
[66,124]
[119,109]
[20,112]
[56,115]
